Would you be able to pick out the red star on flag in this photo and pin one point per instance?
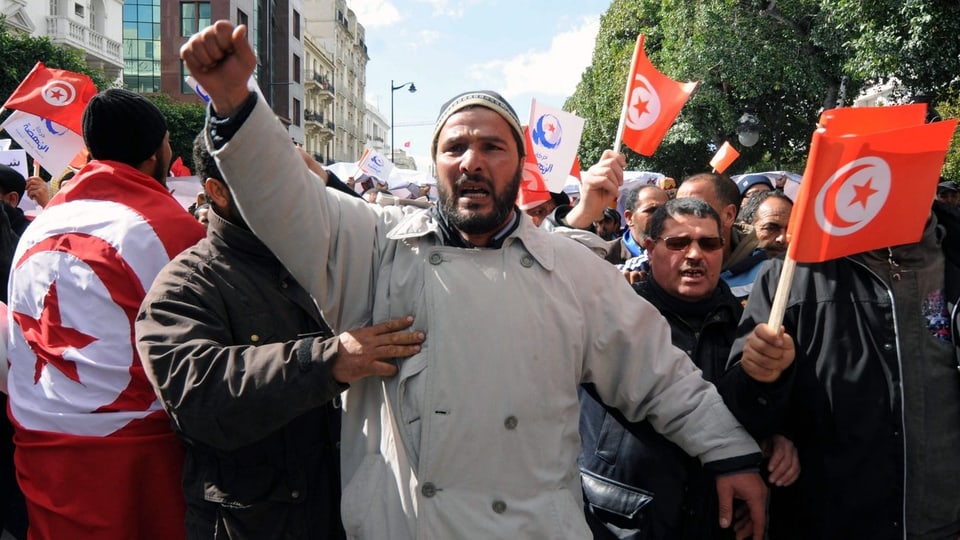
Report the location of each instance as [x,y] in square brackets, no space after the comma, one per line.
[641,107]
[49,339]
[57,94]
[863,194]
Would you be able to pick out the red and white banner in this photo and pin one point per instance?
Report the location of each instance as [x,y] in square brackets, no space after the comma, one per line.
[54,94]
[652,103]
[94,447]
[869,183]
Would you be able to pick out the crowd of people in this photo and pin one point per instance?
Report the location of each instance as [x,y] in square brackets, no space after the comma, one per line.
[313,363]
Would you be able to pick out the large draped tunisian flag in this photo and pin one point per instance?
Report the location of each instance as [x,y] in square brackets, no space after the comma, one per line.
[95,453]
[869,182]
[651,103]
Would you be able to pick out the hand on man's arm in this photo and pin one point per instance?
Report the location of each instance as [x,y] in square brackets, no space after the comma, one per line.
[366,352]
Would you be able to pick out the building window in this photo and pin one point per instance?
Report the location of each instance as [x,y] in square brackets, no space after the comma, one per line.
[54,8]
[296,112]
[78,10]
[296,69]
[193,17]
[296,24]
[141,45]
[185,87]
[241,17]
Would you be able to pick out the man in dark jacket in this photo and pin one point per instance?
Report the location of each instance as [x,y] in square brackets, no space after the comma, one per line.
[247,369]
[865,378]
[637,484]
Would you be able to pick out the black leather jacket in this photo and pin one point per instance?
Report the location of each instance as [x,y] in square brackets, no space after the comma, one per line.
[238,352]
[635,480]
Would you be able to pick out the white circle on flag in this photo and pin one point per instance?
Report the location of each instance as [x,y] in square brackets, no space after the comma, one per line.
[59,93]
[853,196]
[644,104]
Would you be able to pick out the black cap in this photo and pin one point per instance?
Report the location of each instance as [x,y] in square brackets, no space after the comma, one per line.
[12,181]
[120,125]
[947,186]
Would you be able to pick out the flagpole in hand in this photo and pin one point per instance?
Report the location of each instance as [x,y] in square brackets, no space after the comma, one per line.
[779,306]
[623,114]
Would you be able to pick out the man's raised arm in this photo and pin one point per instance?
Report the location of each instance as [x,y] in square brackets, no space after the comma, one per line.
[219,57]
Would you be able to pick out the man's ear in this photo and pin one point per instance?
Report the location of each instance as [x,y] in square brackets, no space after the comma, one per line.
[729,216]
[628,217]
[217,192]
[11,198]
[648,244]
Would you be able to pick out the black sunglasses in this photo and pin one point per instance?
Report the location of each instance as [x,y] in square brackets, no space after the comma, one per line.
[682,243]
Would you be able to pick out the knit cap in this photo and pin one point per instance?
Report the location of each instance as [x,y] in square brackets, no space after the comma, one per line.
[122,126]
[483,98]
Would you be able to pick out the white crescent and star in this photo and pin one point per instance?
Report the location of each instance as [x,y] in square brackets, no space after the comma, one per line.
[853,196]
[644,104]
[59,93]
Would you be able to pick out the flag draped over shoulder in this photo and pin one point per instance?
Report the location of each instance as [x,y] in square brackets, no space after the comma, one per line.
[724,157]
[54,94]
[652,102]
[96,456]
[869,181]
[533,190]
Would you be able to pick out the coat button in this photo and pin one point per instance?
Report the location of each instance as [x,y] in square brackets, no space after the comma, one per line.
[283,284]
[254,338]
[499,507]
[295,494]
[888,346]
[526,261]
[436,258]
[428,489]
[510,422]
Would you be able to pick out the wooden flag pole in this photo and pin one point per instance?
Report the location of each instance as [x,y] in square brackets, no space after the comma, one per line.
[623,113]
[783,293]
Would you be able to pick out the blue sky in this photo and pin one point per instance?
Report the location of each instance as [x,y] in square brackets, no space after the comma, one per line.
[523,49]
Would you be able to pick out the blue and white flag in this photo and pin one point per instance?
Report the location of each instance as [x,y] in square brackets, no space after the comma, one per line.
[375,164]
[556,137]
[51,144]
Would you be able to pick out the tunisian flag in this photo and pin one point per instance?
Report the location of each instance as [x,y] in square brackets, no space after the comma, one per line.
[54,94]
[95,453]
[533,188]
[869,182]
[651,103]
[724,157]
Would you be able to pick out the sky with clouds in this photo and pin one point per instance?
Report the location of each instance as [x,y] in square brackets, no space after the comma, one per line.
[523,49]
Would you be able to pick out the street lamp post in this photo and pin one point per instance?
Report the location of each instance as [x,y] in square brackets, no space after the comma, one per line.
[413,88]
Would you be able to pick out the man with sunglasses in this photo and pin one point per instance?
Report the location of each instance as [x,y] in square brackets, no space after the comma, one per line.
[637,484]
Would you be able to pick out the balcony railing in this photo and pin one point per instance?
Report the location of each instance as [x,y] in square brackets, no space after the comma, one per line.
[319,82]
[62,30]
